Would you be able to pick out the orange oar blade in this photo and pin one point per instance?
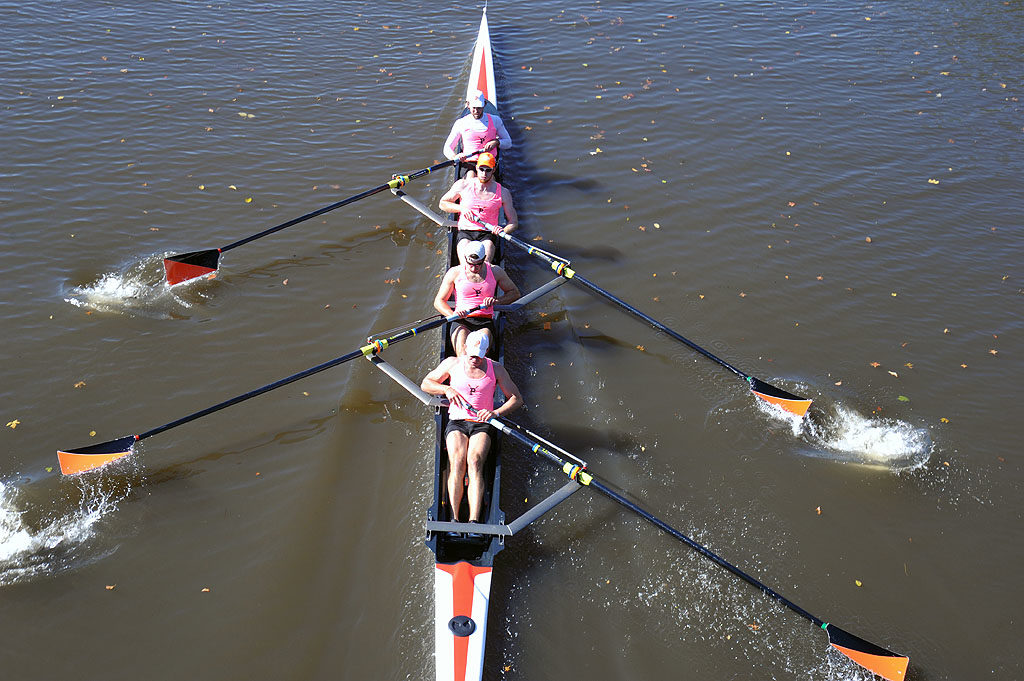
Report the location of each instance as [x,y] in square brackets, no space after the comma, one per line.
[83,459]
[180,268]
[788,401]
[875,659]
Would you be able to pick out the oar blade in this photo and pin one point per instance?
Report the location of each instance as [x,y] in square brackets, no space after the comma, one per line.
[83,459]
[181,268]
[779,397]
[874,658]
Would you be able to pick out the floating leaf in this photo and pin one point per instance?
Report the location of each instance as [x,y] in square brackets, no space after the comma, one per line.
[903,398]
[932,181]
[944,420]
[13,424]
[80,384]
[858,582]
[893,373]
[876,364]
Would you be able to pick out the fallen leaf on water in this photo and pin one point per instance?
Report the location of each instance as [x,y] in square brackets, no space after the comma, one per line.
[944,420]
[742,294]
[49,469]
[13,424]
[818,509]
[839,383]
[867,239]
[903,398]
[909,365]
[893,373]
[932,181]
[231,186]
[285,282]
[80,384]
[547,326]
[206,589]
[110,587]
[248,199]
[963,366]
[858,582]
[640,348]
[876,364]
[92,433]
[993,352]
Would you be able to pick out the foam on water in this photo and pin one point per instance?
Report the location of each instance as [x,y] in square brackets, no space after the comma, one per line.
[34,543]
[139,289]
[837,431]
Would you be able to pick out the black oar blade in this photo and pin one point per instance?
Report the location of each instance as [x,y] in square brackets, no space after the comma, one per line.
[83,459]
[777,396]
[186,266]
[875,659]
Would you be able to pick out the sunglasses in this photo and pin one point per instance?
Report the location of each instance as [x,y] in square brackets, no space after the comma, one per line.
[484,169]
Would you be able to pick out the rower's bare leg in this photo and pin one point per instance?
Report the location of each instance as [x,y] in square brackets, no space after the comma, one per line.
[489,251]
[457,444]
[477,455]
[460,249]
[459,339]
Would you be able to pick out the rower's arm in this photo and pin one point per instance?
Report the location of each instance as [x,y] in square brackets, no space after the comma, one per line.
[447,202]
[444,293]
[451,144]
[504,139]
[509,291]
[514,399]
[433,383]
[511,217]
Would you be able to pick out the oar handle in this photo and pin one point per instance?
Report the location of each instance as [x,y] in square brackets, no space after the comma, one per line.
[395,183]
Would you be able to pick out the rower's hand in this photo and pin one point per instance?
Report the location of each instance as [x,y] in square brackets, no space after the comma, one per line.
[483,415]
[491,146]
[487,302]
[464,311]
[454,398]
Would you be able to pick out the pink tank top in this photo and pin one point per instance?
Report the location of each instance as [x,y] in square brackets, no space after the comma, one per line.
[487,207]
[479,392]
[470,293]
[475,139]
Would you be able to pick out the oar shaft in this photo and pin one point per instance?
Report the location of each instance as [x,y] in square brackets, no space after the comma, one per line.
[588,479]
[373,347]
[398,182]
[560,267]
[254,393]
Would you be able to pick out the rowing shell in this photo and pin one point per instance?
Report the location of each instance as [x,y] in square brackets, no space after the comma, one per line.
[462,573]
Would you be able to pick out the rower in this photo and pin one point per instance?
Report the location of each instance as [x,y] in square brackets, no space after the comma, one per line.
[476,131]
[472,379]
[479,200]
[475,282]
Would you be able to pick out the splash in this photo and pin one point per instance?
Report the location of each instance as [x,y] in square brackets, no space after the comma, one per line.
[33,543]
[846,435]
[139,289]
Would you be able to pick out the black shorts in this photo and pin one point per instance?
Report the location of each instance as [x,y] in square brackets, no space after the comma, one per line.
[468,428]
[472,324]
[476,235]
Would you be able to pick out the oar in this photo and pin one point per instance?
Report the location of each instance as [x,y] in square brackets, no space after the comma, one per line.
[86,458]
[187,266]
[786,400]
[872,657]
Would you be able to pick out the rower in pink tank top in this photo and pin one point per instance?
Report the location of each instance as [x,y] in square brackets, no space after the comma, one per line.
[479,392]
[472,140]
[472,293]
[487,207]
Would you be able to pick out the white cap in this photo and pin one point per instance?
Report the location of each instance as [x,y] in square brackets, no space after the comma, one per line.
[476,99]
[477,343]
[474,252]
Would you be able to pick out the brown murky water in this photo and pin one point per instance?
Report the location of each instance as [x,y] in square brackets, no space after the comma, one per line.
[828,198]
